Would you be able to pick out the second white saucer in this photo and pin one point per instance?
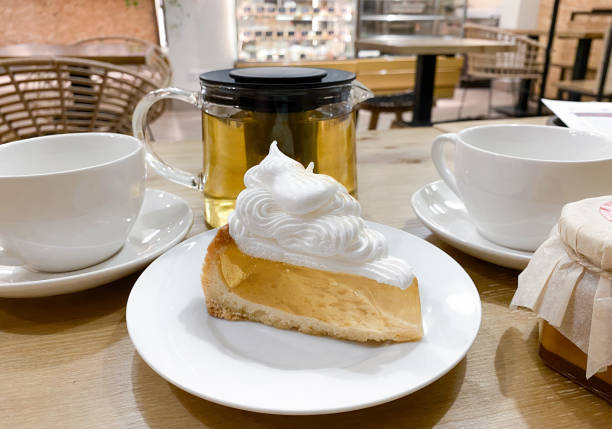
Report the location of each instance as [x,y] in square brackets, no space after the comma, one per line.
[164,220]
[442,212]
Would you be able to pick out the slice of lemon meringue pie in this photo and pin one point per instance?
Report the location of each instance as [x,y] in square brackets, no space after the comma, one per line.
[297,255]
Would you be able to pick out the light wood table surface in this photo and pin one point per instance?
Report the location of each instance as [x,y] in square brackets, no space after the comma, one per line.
[529,32]
[455,127]
[67,361]
[113,53]
[432,45]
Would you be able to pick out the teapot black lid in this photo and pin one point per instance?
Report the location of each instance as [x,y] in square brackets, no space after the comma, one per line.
[276,89]
[302,77]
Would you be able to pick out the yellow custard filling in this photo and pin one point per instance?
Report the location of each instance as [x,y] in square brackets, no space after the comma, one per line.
[337,298]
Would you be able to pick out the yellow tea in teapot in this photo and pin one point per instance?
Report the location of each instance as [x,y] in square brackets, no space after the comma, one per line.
[234,144]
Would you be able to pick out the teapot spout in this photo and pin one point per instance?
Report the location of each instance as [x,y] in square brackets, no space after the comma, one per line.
[359,93]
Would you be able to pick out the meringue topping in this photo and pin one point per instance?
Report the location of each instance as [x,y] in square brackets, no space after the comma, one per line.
[289,214]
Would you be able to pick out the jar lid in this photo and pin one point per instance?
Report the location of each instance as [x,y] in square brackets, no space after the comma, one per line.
[586,228]
[276,89]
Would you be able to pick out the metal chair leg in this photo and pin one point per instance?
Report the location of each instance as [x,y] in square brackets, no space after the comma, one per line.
[373,120]
[561,79]
[490,105]
[463,96]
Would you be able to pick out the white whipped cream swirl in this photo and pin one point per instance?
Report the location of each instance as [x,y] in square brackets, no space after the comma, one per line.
[288,213]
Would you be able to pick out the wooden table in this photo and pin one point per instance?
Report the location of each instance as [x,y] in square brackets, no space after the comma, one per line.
[580,33]
[532,33]
[585,37]
[67,361]
[426,49]
[113,53]
[592,12]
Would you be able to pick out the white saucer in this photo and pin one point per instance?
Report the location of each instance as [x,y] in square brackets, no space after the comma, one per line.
[255,367]
[163,221]
[442,212]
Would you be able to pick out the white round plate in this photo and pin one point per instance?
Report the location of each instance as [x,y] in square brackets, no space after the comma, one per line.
[442,212]
[255,367]
[164,220]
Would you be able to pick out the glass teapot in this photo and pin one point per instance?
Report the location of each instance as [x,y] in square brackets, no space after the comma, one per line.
[309,112]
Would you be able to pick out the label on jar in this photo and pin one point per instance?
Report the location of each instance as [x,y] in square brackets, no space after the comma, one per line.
[606,210]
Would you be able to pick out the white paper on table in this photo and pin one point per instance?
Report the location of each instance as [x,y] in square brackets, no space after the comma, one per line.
[593,116]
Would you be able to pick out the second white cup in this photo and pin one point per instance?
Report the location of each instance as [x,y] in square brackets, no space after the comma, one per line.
[514,179]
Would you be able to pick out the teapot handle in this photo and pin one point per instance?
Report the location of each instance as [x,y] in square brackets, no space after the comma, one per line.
[138,125]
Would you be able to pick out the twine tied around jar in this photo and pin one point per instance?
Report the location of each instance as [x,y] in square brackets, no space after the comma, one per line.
[578,258]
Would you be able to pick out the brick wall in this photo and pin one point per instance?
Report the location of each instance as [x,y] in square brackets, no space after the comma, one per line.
[66,21]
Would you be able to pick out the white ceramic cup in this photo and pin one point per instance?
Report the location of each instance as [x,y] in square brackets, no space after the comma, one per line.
[68,201]
[514,179]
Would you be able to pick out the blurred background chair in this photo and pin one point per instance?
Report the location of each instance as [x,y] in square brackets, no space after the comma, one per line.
[392,79]
[156,68]
[394,103]
[599,88]
[54,95]
[524,63]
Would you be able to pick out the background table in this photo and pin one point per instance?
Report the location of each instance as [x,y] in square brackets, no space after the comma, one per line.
[427,49]
[67,361]
[532,33]
[113,53]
